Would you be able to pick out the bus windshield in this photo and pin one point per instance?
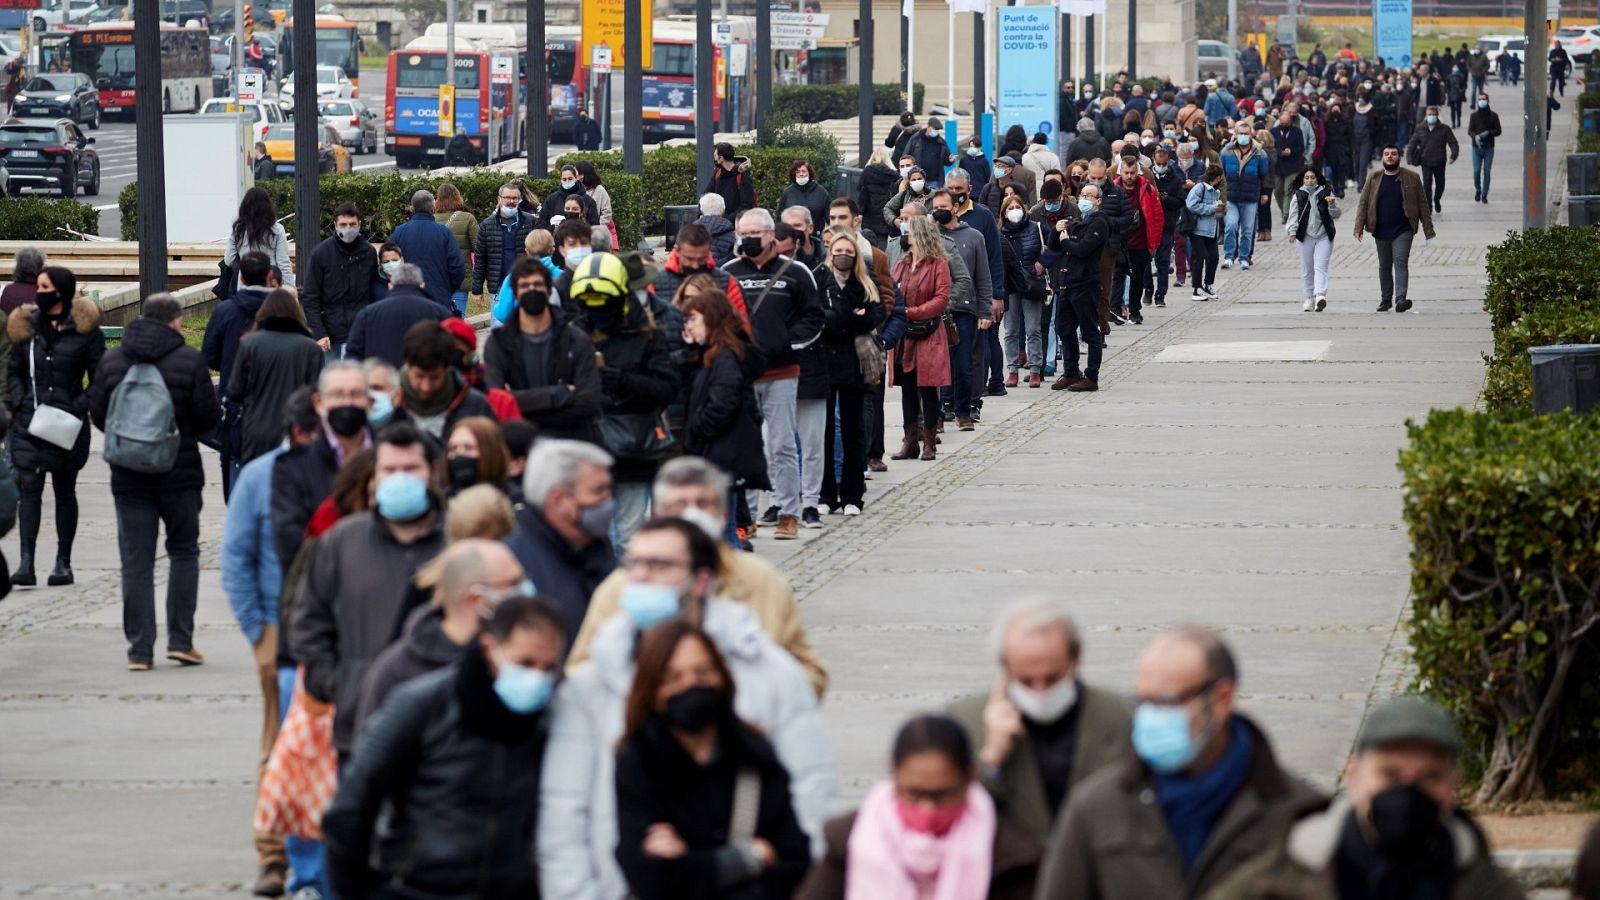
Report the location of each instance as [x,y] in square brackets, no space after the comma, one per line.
[426,70]
[337,45]
[113,63]
[673,59]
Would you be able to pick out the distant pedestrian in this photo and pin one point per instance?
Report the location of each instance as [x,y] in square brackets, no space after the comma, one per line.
[257,228]
[1482,129]
[501,240]
[1245,165]
[265,168]
[1392,207]
[878,184]
[169,499]
[379,330]
[24,283]
[804,190]
[1208,205]
[921,363]
[1560,66]
[450,210]
[931,152]
[595,187]
[586,134]
[1310,224]
[570,186]
[1430,146]
[1083,241]
[432,248]
[461,151]
[276,357]
[712,207]
[338,281]
[731,179]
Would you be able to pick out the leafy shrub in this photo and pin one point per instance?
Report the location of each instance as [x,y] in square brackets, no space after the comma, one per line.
[1503,511]
[1509,382]
[818,102]
[1558,266]
[385,199]
[1586,100]
[38,219]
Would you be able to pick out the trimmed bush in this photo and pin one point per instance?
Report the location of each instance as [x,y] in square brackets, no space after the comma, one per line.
[38,219]
[1503,512]
[1552,266]
[385,199]
[818,102]
[1509,382]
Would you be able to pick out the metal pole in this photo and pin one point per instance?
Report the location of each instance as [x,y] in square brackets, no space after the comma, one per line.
[761,66]
[950,68]
[1133,38]
[1534,99]
[1233,36]
[705,92]
[238,41]
[538,94]
[632,87]
[1066,58]
[308,197]
[450,44]
[865,100]
[147,131]
[905,59]
[980,68]
[1088,49]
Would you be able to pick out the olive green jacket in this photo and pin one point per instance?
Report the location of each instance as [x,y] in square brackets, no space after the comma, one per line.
[1300,867]
[1018,789]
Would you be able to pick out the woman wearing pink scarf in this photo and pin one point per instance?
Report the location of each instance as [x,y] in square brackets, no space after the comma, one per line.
[927,833]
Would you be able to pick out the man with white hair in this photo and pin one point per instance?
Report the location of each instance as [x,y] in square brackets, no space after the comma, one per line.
[563,536]
[712,216]
[432,248]
[1040,731]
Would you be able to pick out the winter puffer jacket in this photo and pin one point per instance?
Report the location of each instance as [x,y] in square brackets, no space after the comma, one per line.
[272,364]
[63,354]
[722,237]
[194,402]
[337,285]
[814,197]
[489,252]
[722,421]
[878,184]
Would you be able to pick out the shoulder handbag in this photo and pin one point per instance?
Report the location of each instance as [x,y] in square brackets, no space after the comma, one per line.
[746,813]
[1186,219]
[637,436]
[49,424]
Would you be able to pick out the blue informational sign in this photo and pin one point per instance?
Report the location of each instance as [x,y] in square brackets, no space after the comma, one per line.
[1391,32]
[1029,86]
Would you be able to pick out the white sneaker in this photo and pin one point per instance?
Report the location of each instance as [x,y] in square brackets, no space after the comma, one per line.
[1199,294]
[1322,302]
[1306,307]
[850,509]
[1244,264]
[1227,264]
[1210,294]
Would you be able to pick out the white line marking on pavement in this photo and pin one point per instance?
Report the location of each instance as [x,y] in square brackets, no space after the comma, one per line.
[106,207]
[376,165]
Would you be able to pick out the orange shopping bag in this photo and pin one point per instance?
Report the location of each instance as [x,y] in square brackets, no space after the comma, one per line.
[302,772]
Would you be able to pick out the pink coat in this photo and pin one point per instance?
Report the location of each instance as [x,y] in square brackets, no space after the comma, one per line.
[927,293]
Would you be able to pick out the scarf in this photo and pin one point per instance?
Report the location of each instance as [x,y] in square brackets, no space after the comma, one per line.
[1192,804]
[436,405]
[887,861]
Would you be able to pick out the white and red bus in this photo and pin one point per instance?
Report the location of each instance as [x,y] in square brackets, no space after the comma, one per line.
[104,52]
[487,105]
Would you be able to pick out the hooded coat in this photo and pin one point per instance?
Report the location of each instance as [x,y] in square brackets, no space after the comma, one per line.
[722,420]
[878,183]
[194,402]
[272,364]
[228,325]
[62,356]
[722,237]
[1088,145]
[423,647]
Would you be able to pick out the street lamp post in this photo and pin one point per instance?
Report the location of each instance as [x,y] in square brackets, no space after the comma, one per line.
[147,133]
[307,192]
[538,94]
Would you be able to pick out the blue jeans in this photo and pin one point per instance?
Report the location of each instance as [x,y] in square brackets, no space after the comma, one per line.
[1052,343]
[459,298]
[961,363]
[1239,229]
[633,506]
[305,856]
[1482,162]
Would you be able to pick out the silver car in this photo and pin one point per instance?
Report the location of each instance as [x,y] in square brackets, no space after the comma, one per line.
[357,125]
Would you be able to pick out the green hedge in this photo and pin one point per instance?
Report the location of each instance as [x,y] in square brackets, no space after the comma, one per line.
[1552,266]
[1503,511]
[1509,382]
[38,219]
[669,172]
[817,102]
[385,199]
[1586,100]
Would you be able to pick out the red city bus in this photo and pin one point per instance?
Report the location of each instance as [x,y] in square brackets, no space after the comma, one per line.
[487,101]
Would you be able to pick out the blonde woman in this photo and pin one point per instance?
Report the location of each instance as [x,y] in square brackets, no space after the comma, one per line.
[920,364]
[853,310]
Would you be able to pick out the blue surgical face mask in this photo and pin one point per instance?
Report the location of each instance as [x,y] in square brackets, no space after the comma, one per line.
[576,255]
[524,691]
[402,497]
[1242,140]
[1161,737]
[1052,207]
[1085,206]
[382,407]
[508,212]
[1433,120]
[648,605]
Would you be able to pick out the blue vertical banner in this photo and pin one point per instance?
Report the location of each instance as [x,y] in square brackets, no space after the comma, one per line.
[1392,32]
[1029,83]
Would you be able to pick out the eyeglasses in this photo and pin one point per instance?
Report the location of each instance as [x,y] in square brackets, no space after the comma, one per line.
[1184,698]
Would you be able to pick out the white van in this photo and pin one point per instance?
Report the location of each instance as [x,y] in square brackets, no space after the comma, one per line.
[1494,44]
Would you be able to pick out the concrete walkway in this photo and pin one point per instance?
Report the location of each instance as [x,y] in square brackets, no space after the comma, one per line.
[1237,468]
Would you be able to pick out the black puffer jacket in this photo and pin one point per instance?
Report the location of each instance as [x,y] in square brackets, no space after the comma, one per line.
[724,421]
[455,775]
[722,237]
[814,197]
[272,363]
[63,354]
[637,379]
[545,400]
[337,284]
[194,402]
[487,267]
[879,183]
[831,362]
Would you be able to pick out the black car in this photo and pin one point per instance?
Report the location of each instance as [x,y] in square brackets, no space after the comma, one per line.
[50,155]
[60,94]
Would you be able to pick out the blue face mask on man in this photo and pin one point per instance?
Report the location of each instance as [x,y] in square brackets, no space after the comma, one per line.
[1161,737]
[648,605]
[1085,206]
[522,689]
[402,497]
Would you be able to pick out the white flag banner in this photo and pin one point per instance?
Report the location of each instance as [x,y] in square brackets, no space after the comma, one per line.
[1083,7]
[968,6]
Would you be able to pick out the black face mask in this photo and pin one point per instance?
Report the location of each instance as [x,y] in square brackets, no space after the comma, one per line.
[47,299]
[1404,820]
[905,242]
[751,246]
[958,199]
[534,302]
[844,262]
[347,421]
[944,216]
[695,708]
[463,471]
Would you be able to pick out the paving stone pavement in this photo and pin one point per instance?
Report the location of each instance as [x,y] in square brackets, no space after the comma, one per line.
[1256,494]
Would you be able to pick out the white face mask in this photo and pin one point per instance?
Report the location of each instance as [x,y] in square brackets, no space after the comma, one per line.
[1044,706]
[802,180]
[916,184]
[1013,215]
[904,171]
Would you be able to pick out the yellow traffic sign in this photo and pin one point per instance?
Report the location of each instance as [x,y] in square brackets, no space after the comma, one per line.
[602,24]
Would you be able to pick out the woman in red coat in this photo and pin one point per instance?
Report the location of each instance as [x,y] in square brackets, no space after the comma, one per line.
[920,364]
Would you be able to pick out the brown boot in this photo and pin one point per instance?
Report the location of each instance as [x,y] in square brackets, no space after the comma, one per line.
[908,445]
[929,439]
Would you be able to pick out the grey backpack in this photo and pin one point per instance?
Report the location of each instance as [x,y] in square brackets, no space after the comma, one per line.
[141,427]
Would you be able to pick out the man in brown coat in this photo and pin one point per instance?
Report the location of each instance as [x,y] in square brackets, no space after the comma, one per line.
[1391,208]
[1202,796]
[1041,731]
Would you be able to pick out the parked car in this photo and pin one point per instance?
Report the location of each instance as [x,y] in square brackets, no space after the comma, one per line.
[1214,61]
[51,154]
[1579,41]
[57,94]
[357,125]
[10,48]
[332,84]
[261,115]
[332,156]
[1494,44]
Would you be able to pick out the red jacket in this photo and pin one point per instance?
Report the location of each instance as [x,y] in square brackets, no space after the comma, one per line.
[1148,202]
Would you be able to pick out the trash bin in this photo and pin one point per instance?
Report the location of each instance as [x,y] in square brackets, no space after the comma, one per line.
[1583,173]
[1583,210]
[1591,121]
[1565,376]
[849,181]
[675,217]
